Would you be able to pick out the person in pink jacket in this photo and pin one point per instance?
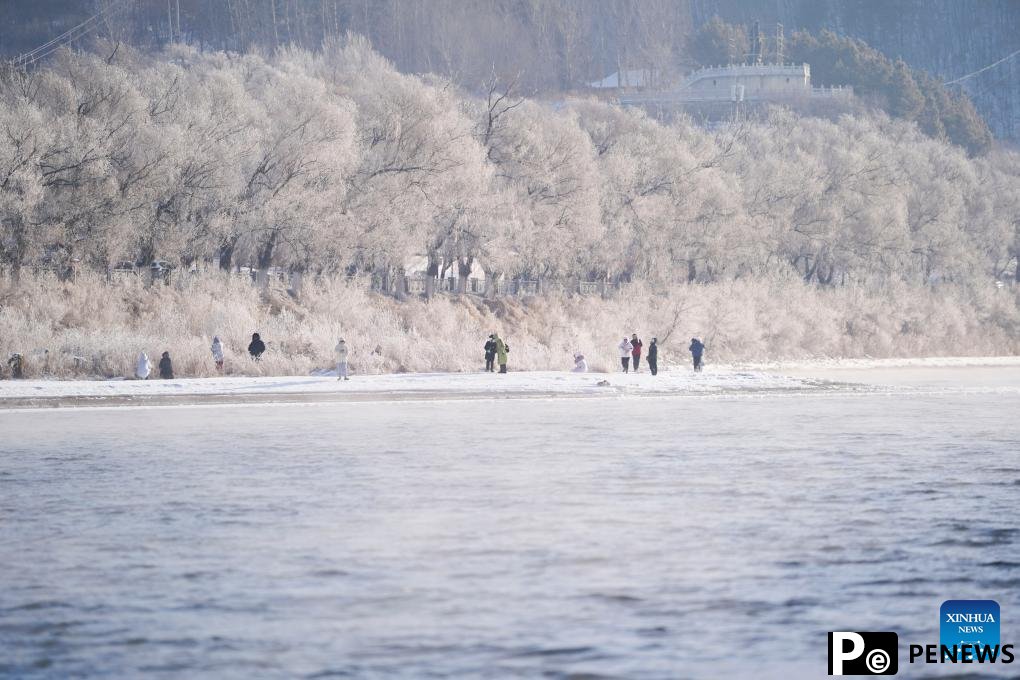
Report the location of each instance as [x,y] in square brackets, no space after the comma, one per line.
[635,352]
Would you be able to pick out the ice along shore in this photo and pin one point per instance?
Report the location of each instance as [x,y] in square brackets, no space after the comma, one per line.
[794,378]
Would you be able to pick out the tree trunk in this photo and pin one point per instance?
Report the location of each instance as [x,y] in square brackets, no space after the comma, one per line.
[431,275]
[463,273]
[147,253]
[444,270]
[65,268]
[296,282]
[276,32]
[17,254]
[226,256]
[828,277]
[265,259]
[809,269]
[401,284]
[692,271]
[491,284]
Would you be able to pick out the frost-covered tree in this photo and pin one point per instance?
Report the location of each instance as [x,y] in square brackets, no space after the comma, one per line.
[546,162]
[26,137]
[333,161]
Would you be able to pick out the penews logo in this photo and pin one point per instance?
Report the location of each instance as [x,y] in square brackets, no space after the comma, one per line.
[863,653]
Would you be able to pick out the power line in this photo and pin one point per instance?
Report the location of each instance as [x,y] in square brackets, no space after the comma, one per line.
[30,55]
[982,70]
[109,11]
[68,36]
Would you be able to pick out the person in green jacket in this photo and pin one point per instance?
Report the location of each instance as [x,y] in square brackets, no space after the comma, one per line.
[501,351]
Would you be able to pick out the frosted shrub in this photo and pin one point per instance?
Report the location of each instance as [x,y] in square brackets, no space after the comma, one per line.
[93,327]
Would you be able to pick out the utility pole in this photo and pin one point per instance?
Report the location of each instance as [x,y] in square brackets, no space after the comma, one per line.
[757,44]
[169,22]
[178,19]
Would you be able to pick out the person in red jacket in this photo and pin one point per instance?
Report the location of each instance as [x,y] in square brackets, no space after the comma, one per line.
[636,352]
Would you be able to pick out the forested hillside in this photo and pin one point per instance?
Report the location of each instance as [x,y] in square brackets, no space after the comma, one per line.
[555,45]
[946,38]
[879,82]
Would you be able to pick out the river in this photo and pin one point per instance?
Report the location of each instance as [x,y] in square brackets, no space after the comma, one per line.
[641,537]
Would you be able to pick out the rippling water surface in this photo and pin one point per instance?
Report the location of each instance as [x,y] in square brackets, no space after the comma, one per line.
[573,538]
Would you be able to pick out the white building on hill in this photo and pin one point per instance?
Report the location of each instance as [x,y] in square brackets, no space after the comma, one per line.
[748,82]
[736,83]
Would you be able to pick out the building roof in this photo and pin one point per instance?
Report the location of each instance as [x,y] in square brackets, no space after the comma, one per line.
[638,77]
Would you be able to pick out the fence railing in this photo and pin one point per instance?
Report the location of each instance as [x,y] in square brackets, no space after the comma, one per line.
[411,285]
[418,285]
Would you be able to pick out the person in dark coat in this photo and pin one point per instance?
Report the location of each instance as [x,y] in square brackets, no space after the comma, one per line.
[636,345]
[490,354]
[256,347]
[166,367]
[16,362]
[653,356]
[697,349]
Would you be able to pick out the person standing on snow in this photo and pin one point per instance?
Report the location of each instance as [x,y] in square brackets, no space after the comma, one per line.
[490,353]
[502,349]
[636,344]
[256,347]
[625,353]
[653,356]
[142,367]
[217,353]
[580,365]
[341,360]
[166,367]
[697,349]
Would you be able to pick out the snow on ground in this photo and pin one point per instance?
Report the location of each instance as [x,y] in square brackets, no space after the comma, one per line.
[408,385]
[800,377]
[869,363]
[957,374]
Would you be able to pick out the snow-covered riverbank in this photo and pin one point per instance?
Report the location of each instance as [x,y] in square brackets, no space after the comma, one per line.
[778,378]
[381,387]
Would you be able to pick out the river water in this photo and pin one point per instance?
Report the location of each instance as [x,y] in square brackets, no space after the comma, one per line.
[565,538]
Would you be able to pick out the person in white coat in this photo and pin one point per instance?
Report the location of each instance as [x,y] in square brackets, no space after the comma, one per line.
[341,360]
[143,368]
[625,351]
[217,353]
[580,365]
